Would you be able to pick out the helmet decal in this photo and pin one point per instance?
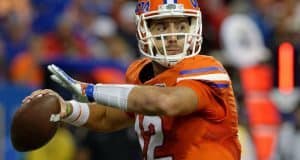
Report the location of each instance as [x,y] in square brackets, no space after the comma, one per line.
[142,6]
[194,3]
[170,1]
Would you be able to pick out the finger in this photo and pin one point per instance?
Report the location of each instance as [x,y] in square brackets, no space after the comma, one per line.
[65,84]
[62,74]
[36,92]
[49,67]
[34,95]
[48,92]
[53,93]
[26,100]
[59,76]
[63,114]
[59,81]
[56,79]
[55,76]
[52,69]
[64,79]
[40,93]
[57,72]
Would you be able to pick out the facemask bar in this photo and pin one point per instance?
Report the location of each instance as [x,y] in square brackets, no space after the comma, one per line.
[189,48]
[194,38]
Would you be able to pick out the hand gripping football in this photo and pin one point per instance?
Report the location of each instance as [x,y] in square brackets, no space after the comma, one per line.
[31,127]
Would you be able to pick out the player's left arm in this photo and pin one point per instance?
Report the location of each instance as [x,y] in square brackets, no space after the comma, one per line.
[149,100]
[172,101]
[187,97]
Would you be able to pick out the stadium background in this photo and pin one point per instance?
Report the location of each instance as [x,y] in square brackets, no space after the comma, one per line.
[94,40]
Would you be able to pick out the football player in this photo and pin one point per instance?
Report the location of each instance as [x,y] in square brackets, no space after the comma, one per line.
[181,103]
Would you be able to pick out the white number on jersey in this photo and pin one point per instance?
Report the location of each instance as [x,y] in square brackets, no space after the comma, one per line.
[150,133]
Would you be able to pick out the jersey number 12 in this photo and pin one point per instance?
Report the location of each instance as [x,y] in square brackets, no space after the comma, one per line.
[150,132]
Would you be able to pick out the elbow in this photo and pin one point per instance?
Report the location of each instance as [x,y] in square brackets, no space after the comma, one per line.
[164,104]
[170,102]
[168,106]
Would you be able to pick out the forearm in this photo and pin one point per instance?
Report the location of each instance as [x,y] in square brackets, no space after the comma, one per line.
[100,118]
[131,98]
[152,100]
[96,120]
[148,100]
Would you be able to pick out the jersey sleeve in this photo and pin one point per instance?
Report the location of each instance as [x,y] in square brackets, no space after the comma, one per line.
[210,81]
[210,102]
[207,70]
[133,71]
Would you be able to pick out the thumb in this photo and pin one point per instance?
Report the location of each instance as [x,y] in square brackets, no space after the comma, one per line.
[59,116]
[63,109]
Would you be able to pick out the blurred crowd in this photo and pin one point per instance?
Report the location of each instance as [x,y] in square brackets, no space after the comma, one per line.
[245,35]
[36,32]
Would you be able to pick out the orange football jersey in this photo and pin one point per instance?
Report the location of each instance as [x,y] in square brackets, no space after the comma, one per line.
[210,133]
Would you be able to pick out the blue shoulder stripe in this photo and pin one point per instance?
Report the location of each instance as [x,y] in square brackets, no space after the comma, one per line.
[170,1]
[201,70]
[219,85]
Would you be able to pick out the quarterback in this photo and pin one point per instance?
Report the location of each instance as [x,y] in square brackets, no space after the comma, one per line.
[180,103]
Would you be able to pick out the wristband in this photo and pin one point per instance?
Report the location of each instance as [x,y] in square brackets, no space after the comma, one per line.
[89,90]
[112,95]
[80,114]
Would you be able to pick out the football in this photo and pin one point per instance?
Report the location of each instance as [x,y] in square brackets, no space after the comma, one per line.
[31,127]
